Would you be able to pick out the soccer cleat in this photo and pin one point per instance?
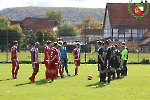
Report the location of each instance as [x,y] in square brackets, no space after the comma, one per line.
[62,77]
[68,74]
[76,74]
[31,79]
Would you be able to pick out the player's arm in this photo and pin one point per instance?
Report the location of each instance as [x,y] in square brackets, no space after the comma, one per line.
[13,53]
[32,57]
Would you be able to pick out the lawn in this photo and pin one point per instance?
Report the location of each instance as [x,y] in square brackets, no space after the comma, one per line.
[25,56]
[133,87]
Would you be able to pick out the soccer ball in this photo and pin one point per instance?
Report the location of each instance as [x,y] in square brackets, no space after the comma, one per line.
[89,77]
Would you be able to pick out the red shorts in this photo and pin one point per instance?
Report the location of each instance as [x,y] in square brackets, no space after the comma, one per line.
[59,65]
[53,66]
[46,63]
[77,62]
[15,63]
[35,65]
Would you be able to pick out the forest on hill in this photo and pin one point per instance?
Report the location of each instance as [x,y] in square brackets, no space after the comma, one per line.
[70,14]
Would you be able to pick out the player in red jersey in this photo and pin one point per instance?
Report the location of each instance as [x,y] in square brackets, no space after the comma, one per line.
[34,61]
[14,59]
[53,62]
[76,53]
[59,61]
[47,57]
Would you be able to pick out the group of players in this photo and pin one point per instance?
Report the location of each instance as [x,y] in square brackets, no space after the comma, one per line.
[55,59]
[111,60]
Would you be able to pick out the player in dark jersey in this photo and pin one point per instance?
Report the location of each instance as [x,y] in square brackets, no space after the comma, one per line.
[117,55]
[101,63]
[112,62]
[107,59]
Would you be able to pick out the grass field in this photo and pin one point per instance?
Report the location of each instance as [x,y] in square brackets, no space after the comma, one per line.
[133,87]
[25,56]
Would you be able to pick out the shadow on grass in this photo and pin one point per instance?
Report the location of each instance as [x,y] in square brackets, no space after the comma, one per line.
[7,79]
[97,85]
[41,81]
[22,84]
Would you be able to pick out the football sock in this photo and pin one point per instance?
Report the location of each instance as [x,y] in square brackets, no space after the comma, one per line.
[13,73]
[60,72]
[122,71]
[46,74]
[126,70]
[118,73]
[101,77]
[113,75]
[109,77]
[104,77]
[76,71]
[16,72]
[33,75]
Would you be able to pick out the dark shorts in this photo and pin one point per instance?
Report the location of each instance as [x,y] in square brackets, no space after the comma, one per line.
[124,63]
[107,65]
[101,67]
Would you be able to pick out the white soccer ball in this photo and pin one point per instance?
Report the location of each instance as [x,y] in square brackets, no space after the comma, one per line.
[89,77]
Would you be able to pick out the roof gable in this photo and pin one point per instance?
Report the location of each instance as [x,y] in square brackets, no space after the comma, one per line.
[120,17]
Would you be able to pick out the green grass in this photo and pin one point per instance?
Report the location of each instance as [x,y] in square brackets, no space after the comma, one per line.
[133,87]
[25,56]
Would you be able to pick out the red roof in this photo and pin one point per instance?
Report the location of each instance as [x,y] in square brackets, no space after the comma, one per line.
[120,17]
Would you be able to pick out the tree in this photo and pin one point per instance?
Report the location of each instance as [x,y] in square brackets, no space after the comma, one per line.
[90,22]
[67,29]
[4,23]
[49,35]
[56,15]
[39,36]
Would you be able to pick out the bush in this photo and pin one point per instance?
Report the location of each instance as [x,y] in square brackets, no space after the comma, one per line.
[145,61]
[92,61]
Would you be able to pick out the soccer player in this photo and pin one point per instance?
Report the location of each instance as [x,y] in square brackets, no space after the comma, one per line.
[101,63]
[14,59]
[117,54]
[112,62]
[53,62]
[123,43]
[107,59]
[64,58]
[34,61]
[76,53]
[124,55]
[59,61]
[47,57]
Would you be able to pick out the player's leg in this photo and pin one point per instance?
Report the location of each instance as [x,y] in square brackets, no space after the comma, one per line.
[35,71]
[16,68]
[66,67]
[77,64]
[13,69]
[46,71]
[126,69]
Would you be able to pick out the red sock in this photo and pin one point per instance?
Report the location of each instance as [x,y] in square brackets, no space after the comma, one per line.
[13,72]
[56,72]
[76,71]
[60,72]
[33,75]
[16,72]
[46,74]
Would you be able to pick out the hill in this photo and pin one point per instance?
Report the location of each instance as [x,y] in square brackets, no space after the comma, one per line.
[71,14]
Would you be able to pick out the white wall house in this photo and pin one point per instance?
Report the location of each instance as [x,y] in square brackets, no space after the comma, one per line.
[121,26]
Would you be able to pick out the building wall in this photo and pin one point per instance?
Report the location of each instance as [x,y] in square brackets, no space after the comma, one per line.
[107,27]
[37,24]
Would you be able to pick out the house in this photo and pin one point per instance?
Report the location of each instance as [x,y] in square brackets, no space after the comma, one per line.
[35,24]
[121,26]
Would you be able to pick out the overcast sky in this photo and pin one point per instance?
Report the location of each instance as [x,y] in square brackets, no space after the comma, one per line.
[61,3]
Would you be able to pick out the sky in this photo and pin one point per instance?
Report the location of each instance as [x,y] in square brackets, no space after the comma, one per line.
[60,3]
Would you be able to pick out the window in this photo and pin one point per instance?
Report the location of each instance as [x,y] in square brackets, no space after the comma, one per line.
[28,28]
[121,31]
